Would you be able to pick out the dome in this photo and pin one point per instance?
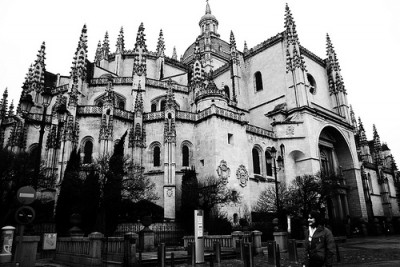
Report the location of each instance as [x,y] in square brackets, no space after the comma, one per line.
[219,48]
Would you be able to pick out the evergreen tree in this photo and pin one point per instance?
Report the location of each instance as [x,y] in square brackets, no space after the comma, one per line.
[112,198]
[90,201]
[189,200]
[69,199]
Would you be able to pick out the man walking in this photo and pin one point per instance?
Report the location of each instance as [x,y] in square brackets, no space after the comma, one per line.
[319,243]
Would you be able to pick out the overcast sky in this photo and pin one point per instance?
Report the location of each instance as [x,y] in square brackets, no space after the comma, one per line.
[365,34]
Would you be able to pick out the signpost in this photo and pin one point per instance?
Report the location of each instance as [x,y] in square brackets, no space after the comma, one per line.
[199,235]
[24,215]
[26,195]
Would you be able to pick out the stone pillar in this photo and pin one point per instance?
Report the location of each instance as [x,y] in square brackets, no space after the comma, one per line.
[146,239]
[281,238]
[130,241]
[236,236]
[257,241]
[26,254]
[95,248]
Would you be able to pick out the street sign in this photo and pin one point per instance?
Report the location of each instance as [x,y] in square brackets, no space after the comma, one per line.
[25,215]
[26,195]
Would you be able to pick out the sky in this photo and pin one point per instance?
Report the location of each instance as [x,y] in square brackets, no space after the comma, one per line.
[364,33]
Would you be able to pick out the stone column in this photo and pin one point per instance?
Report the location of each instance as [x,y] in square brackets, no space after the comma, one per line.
[257,241]
[281,238]
[95,248]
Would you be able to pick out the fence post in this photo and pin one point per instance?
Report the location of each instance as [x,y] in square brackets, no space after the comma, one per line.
[257,242]
[161,255]
[193,250]
[95,247]
[337,253]
[217,252]
[130,248]
[292,249]
[277,256]
[271,252]
[236,235]
[248,255]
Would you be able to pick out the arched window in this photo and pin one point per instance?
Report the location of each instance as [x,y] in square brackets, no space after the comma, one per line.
[153,107]
[256,161]
[313,84]
[226,90]
[162,108]
[259,83]
[100,103]
[88,150]
[268,158]
[185,156]
[121,105]
[156,156]
[371,188]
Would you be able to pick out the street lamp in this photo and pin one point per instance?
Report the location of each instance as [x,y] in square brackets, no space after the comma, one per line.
[46,98]
[280,163]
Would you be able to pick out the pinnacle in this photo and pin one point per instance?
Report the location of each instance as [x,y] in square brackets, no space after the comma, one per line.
[208,9]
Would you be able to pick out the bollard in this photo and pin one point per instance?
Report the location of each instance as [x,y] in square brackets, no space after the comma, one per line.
[172,259]
[241,249]
[278,256]
[161,255]
[271,252]
[248,255]
[217,252]
[193,250]
[292,249]
[337,253]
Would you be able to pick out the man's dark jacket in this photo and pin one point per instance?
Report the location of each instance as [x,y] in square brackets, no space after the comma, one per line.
[320,249]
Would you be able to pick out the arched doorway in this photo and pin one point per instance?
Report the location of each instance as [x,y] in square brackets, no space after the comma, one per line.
[338,172]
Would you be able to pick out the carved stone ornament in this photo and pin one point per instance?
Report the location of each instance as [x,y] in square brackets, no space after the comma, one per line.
[242,175]
[224,172]
[170,192]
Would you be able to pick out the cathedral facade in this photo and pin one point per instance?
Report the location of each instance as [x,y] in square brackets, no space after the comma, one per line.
[274,111]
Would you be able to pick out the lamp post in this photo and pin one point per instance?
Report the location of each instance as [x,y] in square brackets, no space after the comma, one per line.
[26,105]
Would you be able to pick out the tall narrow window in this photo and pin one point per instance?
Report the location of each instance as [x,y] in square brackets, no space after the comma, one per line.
[256,161]
[313,84]
[258,78]
[88,150]
[185,156]
[268,158]
[153,107]
[226,90]
[371,188]
[156,156]
[121,104]
[162,105]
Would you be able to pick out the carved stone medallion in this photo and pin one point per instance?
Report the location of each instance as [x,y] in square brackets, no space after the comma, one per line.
[242,175]
[223,172]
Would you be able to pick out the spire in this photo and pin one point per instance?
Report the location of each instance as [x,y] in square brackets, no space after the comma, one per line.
[361,133]
[139,61]
[4,104]
[208,9]
[99,53]
[245,49]
[106,47]
[208,23]
[198,70]
[174,55]
[170,95]
[39,69]
[377,145]
[140,39]
[160,45]
[293,57]
[335,78]
[139,101]
[353,118]
[120,42]
[11,109]
[78,69]
[232,41]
